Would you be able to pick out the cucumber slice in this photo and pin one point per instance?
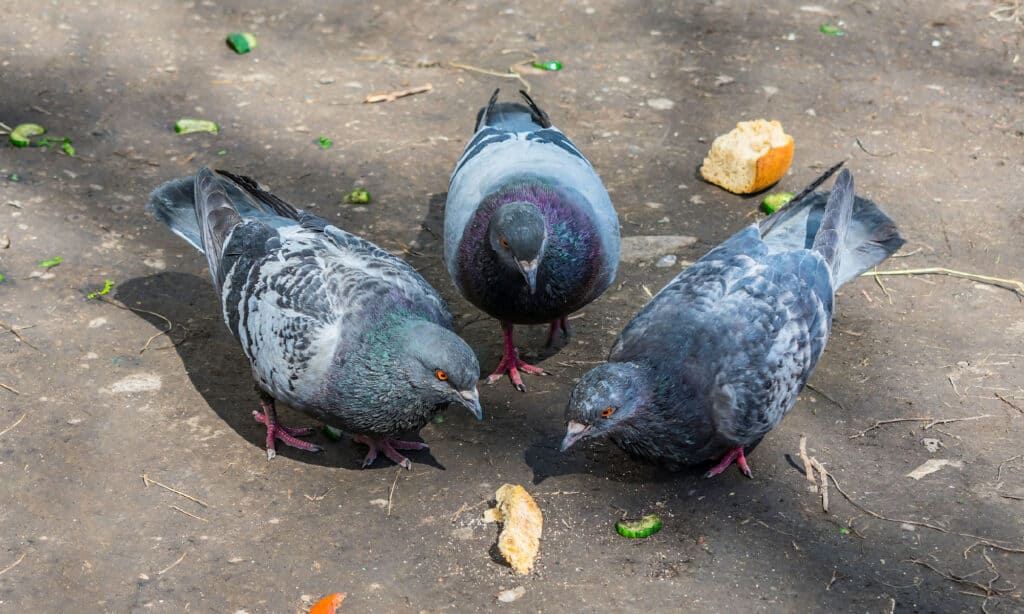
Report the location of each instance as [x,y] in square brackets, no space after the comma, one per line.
[23,133]
[241,42]
[645,527]
[358,196]
[187,125]
[774,202]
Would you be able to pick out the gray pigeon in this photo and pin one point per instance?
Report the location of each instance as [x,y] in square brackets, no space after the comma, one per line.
[332,325]
[530,234]
[716,359]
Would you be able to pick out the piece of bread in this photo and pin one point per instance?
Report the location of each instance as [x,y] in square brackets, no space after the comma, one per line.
[519,541]
[749,158]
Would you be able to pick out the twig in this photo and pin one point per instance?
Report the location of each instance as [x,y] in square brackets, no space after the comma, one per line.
[880,423]
[808,469]
[988,588]
[395,95]
[879,516]
[172,565]
[999,470]
[1008,402]
[1009,496]
[1013,285]
[14,331]
[511,74]
[873,155]
[145,347]
[825,395]
[885,290]
[835,575]
[148,480]
[465,508]
[953,384]
[319,497]
[14,564]
[824,483]
[178,509]
[6,127]
[948,420]
[6,387]
[16,423]
[392,493]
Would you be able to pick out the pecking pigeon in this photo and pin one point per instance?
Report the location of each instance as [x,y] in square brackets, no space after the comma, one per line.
[332,325]
[530,234]
[716,359]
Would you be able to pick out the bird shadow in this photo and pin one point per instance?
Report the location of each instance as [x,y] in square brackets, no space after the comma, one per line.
[219,369]
[600,459]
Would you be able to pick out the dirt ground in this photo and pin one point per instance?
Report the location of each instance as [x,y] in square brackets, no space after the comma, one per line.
[924,98]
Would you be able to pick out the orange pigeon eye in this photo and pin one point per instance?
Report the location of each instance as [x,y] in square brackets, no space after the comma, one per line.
[441,375]
[607,411]
[504,243]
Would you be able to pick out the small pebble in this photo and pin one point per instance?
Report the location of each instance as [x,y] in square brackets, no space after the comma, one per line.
[511,595]
[665,261]
[660,104]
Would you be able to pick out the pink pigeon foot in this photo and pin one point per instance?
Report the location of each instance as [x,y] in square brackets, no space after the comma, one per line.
[390,449]
[512,364]
[276,430]
[733,455]
[559,325]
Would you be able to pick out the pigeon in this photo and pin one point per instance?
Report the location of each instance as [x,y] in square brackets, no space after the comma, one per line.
[332,325]
[715,360]
[530,234]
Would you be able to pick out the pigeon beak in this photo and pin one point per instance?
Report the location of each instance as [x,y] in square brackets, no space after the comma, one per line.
[471,399]
[529,271]
[574,431]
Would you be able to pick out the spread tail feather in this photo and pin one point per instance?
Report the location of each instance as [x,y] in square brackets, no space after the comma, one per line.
[831,237]
[870,236]
[204,209]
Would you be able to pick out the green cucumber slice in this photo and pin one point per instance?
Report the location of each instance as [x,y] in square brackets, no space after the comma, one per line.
[645,527]
[22,134]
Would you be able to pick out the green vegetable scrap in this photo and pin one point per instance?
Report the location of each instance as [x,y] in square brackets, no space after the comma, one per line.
[774,202]
[222,152]
[645,527]
[14,177]
[831,29]
[549,65]
[22,134]
[358,196]
[332,433]
[187,125]
[325,143]
[844,530]
[52,262]
[67,148]
[438,419]
[241,42]
[1,277]
[107,285]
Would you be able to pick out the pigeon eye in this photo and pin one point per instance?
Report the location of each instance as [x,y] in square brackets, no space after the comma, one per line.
[607,411]
[504,243]
[441,375]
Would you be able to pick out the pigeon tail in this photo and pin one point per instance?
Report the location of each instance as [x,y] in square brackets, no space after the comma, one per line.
[829,242]
[869,237]
[512,116]
[174,204]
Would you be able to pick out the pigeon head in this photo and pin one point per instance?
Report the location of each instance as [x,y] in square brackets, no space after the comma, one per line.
[518,234]
[440,366]
[605,399]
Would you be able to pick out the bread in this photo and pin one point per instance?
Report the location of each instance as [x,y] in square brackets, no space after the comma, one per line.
[519,541]
[749,158]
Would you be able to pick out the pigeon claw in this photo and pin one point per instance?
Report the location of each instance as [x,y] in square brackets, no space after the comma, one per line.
[287,435]
[735,455]
[513,365]
[390,449]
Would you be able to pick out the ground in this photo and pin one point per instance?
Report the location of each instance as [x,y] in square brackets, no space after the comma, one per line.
[923,99]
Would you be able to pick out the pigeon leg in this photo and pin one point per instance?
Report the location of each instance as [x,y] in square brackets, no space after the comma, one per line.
[733,455]
[390,449]
[276,430]
[512,364]
[556,325]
